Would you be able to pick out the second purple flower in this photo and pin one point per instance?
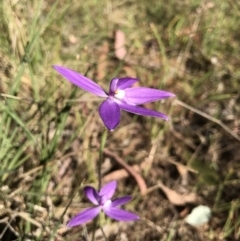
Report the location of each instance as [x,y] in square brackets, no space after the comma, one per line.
[121,96]
[102,201]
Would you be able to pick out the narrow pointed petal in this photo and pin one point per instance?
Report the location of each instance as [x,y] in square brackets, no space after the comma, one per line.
[126,82]
[141,95]
[142,111]
[92,194]
[119,214]
[80,81]
[121,83]
[84,216]
[108,190]
[109,112]
[120,201]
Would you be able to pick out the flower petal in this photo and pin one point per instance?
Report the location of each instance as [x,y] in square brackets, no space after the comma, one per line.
[110,113]
[121,83]
[80,81]
[108,190]
[141,95]
[84,216]
[141,111]
[92,194]
[119,214]
[126,82]
[120,201]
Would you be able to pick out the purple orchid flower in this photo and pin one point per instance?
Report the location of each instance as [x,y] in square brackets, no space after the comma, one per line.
[121,96]
[102,201]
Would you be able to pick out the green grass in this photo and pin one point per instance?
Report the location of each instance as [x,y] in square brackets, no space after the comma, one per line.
[50,131]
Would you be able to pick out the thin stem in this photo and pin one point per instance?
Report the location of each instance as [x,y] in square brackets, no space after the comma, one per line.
[94,229]
[85,233]
[102,145]
[103,142]
[101,219]
[104,235]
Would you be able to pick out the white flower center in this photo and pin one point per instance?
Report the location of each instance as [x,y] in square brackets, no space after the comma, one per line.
[119,94]
[107,203]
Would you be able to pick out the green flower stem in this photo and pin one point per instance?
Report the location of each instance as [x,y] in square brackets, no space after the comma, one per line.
[102,145]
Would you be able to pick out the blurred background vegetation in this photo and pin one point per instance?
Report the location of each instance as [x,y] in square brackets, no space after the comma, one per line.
[50,131]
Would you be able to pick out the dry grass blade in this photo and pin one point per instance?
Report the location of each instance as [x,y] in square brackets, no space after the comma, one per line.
[226,128]
[140,181]
[119,174]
